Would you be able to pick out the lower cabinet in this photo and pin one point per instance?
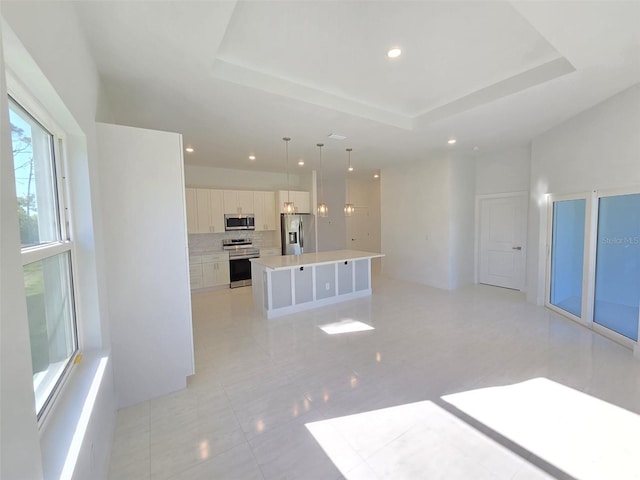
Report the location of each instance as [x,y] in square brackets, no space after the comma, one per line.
[211,270]
[195,274]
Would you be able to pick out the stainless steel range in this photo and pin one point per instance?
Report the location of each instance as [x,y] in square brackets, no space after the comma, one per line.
[240,251]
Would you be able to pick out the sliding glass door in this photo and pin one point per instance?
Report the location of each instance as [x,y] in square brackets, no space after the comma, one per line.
[567,255]
[593,263]
[617,275]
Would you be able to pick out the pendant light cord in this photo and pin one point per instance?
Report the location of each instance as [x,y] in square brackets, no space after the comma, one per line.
[348,170]
[320,145]
[286,147]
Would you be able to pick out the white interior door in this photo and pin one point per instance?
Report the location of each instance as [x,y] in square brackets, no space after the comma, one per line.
[502,234]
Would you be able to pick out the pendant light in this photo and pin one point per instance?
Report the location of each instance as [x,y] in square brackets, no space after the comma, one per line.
[348,207]
[289,207]
[323,210]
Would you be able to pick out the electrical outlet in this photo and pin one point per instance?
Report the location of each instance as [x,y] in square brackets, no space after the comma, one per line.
[327,286]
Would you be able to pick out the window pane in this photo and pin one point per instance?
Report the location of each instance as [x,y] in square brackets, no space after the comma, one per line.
[51,321]
[618,265]
[567,251]
[35,178]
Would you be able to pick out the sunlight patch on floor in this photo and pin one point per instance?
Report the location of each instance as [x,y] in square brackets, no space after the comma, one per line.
[417,440]
[581,435]
[346,325]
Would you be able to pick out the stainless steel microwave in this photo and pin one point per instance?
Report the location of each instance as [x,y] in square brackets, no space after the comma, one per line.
[239,222]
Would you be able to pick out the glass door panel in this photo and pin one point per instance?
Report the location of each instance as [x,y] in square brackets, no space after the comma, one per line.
[617,288]
[567,253]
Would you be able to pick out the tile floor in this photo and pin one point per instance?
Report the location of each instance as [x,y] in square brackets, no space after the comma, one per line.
[474,383]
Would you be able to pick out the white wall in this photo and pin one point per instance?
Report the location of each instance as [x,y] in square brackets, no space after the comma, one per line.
[598,149]
[462,226]
[504,171]
[141,177]
[415,214]
[364,193]
[364,225]
[212,177]
[20,455]
[332,230]
[45,48]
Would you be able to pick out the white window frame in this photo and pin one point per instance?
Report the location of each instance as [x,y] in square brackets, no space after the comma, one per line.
[20,95]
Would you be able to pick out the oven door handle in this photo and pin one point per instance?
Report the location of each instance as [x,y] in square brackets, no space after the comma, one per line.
[243,257]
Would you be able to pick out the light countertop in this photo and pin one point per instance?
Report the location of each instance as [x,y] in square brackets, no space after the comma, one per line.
[291,261]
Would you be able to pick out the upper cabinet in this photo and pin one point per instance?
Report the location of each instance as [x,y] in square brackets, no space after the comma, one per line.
[238,201]
[192,210]
[264,204]
[300,200]
[204,210]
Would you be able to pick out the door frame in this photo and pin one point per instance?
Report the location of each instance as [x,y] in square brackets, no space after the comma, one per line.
[476,247]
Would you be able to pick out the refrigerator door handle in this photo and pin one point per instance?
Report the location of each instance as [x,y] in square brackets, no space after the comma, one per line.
[301,235]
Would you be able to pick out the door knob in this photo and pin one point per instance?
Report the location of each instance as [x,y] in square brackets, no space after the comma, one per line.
[516,248]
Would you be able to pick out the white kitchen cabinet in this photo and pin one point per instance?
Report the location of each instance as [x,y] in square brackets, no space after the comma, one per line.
[300,200]
[210,270]
[245,201]
[215,270]
[192,210]
[210,216]
[272,219]
[217,211]
[238,201]
[264,204]
[195,275]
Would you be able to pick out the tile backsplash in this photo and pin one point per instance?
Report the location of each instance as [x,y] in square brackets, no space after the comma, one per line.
[204,242]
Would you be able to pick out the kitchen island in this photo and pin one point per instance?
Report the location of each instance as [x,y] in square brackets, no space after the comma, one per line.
[293,283]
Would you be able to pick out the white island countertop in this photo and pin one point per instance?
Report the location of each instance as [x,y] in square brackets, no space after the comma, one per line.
[306,259]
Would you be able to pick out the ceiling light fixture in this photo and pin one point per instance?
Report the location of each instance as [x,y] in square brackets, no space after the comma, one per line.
[189,150]
[301,162]
[451,141]
[376,175]
[323,210]
[394,52]
[337,136]
[348,207]
[252,157]
[289,207]
[350,167]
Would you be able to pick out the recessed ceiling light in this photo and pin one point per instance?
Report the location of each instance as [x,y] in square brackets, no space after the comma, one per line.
[376,175]
[451,141]
[252,157]
[350,168]
[301,162]
[189,150]
[395,52]
[337,136]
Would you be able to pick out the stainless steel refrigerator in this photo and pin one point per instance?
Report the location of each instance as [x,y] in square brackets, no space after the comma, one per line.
[297,233]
